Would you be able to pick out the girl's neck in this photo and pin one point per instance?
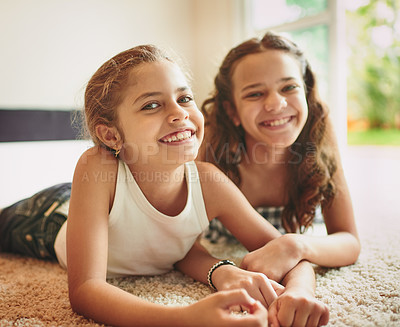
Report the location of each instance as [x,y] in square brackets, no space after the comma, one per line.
[163,186]
[265,156]
[156,176]
[263,171]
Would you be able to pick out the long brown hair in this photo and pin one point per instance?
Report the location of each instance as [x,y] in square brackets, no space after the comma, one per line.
[312,163]
[105,88]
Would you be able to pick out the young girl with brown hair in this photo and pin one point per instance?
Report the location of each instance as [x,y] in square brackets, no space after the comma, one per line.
[268,130]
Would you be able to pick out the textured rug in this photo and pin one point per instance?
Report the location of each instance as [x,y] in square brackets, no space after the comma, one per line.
[34,293]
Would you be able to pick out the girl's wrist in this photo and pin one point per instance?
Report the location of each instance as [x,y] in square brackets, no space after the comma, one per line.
[185,314]
[300,290]
[217,273]
[296,245]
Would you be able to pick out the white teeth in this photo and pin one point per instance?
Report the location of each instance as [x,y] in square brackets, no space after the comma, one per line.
[178,137]
[279,122]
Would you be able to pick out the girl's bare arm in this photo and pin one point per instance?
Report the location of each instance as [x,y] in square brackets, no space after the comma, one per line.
[340,247]
[87,243]
[226,202]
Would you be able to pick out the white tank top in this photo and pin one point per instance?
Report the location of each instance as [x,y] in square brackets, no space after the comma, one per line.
[142,240]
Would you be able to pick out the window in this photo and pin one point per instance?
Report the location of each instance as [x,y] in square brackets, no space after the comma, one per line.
[267,14]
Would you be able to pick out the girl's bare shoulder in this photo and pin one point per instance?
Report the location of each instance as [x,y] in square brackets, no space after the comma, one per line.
[214,183]
[97,164]
[209,173]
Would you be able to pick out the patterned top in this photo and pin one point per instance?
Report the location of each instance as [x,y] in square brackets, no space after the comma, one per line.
[216,232]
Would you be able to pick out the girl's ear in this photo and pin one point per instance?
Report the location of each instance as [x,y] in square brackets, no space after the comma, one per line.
[231,112]
[109,136]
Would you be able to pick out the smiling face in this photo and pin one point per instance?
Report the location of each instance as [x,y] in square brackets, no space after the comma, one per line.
[158,119]
[269,97]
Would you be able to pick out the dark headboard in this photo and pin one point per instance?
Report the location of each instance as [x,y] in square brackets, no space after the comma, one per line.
[37,125]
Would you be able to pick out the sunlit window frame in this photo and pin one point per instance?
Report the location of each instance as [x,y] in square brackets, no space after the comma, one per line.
[334,18]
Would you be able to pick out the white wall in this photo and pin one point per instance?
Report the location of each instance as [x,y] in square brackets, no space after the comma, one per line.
[219,26]
[26,168]
[50,48]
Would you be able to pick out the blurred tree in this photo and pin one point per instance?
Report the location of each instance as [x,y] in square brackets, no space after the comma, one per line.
[373,38]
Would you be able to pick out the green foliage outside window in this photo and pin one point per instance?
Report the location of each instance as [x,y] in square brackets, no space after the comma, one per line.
[373,38]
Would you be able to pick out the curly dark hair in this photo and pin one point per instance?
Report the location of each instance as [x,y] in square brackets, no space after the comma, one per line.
[313,163]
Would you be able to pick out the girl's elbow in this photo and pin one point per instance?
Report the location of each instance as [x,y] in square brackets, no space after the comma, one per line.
[78,296]
[358,248]
[75,307]
[75,301]
[355,250]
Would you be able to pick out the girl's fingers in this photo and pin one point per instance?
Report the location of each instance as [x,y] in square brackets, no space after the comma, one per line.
[262,290]
[237,298]
[313,320]
[301,317]
[285,315]
[324,319]
[273,315]
[279,289]
[259,310]
[235,308]
[256,315]
[268,292]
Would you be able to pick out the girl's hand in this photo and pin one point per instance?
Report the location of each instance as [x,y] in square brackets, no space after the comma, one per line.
[257,285]
[216,310]
[276,258]
[295,308]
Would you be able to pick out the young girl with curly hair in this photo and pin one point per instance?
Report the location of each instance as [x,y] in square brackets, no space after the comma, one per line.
[268,130]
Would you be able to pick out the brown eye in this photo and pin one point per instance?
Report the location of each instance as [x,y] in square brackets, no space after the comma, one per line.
[150,106]
[254,95]
[185,99]
[289,88]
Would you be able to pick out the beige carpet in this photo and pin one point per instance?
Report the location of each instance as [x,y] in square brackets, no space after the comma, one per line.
[34,293]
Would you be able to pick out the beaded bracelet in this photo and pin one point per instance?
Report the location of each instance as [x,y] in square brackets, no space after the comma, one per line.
[218,264]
